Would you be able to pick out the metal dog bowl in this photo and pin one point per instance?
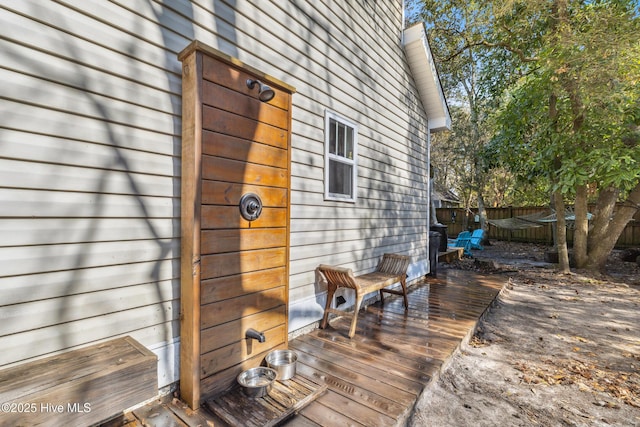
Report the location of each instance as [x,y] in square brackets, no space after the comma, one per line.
[284,363]
[257,382]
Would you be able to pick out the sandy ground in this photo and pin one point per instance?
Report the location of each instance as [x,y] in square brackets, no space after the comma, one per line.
[555,350]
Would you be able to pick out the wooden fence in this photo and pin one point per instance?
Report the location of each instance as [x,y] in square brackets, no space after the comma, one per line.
[458,219]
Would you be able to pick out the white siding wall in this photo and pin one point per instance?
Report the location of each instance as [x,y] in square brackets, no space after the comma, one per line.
[90,170]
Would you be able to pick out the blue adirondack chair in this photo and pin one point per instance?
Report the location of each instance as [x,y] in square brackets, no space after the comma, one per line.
[462,241]
[476,239]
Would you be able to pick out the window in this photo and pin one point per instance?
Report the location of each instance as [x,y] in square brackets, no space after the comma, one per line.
[340,153]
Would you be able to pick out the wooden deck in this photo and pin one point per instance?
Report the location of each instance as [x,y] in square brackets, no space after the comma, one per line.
[376,377]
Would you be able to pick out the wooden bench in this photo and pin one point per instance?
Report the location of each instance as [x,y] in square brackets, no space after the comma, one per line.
[79,387]
[391,269]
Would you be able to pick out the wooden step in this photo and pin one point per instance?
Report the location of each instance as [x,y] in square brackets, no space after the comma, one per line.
[452,254]
[79,387]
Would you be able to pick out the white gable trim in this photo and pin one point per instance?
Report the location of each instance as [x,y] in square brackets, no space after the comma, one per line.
[424,72]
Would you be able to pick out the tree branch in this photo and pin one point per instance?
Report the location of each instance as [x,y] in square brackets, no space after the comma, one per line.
[487,44]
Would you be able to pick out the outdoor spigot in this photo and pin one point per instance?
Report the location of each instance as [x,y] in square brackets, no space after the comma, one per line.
[253,334]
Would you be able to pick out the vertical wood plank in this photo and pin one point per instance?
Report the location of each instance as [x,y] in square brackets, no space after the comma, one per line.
[288,218]
[190,228]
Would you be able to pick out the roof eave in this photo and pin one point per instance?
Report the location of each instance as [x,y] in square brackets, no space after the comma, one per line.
[425,74]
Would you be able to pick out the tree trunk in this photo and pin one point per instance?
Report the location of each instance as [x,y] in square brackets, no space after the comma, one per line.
[602,215]
[563,252]
[482,213]
[607,237]
[558,200]
[570,85]
[581,231]
[554,225]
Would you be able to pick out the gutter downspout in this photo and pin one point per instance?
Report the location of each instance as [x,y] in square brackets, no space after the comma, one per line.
[431,209]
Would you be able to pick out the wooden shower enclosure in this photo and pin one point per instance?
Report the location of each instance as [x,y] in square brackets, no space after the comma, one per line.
[234,272]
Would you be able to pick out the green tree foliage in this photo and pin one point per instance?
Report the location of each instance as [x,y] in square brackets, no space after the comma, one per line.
[591,65]
[454,156]
[572,116]
[562,78]
[460,68]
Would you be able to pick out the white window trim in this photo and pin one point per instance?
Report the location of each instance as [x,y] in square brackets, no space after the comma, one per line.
[327,156]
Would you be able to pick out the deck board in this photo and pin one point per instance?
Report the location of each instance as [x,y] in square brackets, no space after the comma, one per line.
[441,313]
[397,371]
[367,397]
[328,416]
[376,377]
[422,363]
[388,377]
[300,421]
[355,410]
[158,416]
